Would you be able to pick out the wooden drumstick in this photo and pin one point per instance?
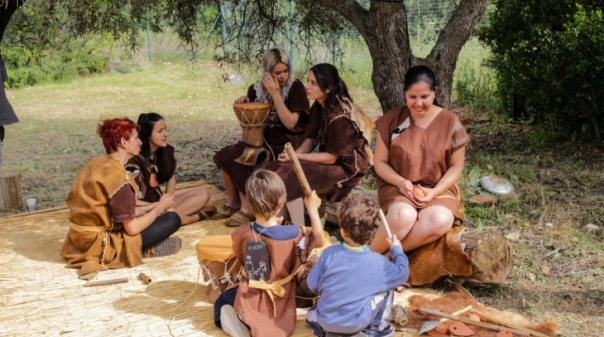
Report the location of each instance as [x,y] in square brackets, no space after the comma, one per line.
[106,282]
[298,169]
[385,223]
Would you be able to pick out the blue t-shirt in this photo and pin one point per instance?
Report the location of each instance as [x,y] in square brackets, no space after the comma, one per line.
[347,280]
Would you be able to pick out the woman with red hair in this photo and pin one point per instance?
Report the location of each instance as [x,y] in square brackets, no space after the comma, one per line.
[105,231]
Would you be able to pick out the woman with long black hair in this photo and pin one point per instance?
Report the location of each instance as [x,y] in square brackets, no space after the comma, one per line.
[156,165]
[332,156]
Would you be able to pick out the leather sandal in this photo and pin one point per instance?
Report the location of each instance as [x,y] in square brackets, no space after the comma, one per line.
[206,213]
[239,218]
[225,212]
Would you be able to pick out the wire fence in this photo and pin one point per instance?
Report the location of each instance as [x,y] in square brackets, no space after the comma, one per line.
[346,49]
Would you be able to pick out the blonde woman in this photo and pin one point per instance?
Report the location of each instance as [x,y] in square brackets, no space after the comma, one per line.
[287,122]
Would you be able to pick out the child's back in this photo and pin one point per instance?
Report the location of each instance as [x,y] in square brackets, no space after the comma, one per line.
[354,283]
[271,254]
[347,279]
[269,312]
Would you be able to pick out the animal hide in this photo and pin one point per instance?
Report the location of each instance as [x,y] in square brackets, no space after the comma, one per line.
[364,123]
[444,256]
[460,298]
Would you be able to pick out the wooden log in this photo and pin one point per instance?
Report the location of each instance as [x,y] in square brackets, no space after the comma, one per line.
[11,197]
[490,253]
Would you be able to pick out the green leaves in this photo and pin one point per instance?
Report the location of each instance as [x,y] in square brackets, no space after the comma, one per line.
[549,56]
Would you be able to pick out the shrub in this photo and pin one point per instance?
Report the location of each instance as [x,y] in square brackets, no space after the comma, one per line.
[549,57]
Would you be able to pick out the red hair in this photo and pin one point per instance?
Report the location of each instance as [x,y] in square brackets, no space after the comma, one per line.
[113,130]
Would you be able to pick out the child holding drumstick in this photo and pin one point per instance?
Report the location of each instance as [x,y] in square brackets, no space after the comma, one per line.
[264,302]
[355,284]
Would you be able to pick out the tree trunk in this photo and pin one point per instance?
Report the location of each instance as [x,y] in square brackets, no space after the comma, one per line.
[11,195]
[443,57]
[384,29]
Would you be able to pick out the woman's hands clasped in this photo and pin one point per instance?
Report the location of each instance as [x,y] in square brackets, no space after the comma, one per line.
[418,194]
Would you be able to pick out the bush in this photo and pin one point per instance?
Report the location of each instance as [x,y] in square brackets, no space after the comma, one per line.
[549,57]
[30,66]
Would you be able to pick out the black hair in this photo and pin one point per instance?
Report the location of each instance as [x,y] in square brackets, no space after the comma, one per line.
[146,122]
[421,73]
[418,74]
[327,77]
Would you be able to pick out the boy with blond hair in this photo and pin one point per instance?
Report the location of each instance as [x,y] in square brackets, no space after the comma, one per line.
[271,253]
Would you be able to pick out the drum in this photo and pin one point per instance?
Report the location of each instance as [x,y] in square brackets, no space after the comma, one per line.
[305,298]
[252,117]
[219,264]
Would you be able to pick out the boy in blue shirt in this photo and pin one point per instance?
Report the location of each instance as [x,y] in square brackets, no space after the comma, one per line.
[356,284]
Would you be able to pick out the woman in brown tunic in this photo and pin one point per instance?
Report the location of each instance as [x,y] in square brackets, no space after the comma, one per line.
[339,161]
[287,123]
[419,156]
[156,165]
[105,231]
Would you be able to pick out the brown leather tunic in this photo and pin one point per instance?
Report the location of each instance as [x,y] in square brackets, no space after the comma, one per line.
[420,155]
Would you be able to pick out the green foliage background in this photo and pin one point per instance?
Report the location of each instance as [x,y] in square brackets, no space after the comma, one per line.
[549,58]
[546,57]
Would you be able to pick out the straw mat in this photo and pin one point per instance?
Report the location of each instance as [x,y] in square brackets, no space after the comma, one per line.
[39,296]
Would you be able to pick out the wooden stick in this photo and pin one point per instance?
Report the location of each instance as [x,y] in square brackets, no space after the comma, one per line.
[458,312]
[106,282]
[385,223]
[492,318]
[471,322]
[144,278]
[298,169]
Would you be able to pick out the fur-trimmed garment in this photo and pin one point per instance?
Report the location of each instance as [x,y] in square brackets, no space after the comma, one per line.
[142,170]
[334,132]
[96,239]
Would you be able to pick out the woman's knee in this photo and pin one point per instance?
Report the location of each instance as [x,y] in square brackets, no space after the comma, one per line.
[437,217]
[401,215]
[202,193]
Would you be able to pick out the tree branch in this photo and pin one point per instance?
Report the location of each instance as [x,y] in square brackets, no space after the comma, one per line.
[350,10]
[457,31]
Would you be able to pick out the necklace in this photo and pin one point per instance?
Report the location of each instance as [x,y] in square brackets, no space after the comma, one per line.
[257,235]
